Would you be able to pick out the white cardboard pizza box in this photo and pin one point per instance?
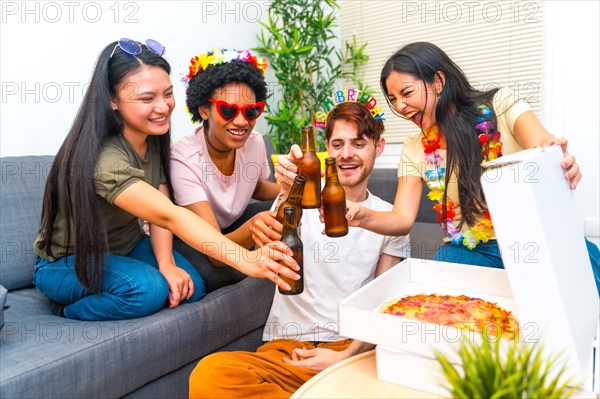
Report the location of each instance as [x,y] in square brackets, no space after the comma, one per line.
[359,317]
[555,299]
[543,250]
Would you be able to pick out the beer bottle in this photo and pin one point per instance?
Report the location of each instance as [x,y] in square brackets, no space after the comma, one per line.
[293,199]
[334,202]
[291,239]
[310,167]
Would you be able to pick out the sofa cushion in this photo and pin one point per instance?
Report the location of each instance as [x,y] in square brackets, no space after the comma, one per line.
[79,359]
[383,182]
[23,181]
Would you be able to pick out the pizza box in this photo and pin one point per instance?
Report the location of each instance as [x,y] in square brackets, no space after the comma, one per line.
[541,240]
[360,319]
[424,373]
[548,283]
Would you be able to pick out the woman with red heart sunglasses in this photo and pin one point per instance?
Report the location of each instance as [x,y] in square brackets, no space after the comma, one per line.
[220,168]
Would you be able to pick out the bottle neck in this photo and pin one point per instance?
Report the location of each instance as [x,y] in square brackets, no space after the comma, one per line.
[331,176]
[290,225]
[308,141]
[295,195]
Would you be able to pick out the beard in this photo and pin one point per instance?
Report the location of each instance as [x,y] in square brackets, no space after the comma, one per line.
[364,170]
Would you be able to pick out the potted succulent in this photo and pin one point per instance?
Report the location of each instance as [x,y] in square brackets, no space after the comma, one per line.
[300,44]
[506,369]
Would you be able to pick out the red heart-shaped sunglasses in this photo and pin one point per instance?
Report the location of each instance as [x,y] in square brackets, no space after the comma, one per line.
[229,111]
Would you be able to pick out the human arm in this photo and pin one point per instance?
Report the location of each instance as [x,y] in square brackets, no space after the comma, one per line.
[396,222]
[181,286]
[266,190]
[142,200]
[261,229]
[529,133]
[386,262]
[319,359]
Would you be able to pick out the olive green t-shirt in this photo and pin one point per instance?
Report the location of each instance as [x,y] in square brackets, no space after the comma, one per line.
[117,168]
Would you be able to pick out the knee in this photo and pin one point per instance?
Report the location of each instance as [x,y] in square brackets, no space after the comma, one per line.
[144,296]
[152,294]
[204,380]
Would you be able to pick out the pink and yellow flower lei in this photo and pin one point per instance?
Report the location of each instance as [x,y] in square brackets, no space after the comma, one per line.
[201,62]
[435,180]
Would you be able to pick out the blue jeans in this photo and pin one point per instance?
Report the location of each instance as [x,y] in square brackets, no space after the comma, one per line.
[488,254]
[132,285]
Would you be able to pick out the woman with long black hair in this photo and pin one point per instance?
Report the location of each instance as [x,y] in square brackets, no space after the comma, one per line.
[461,128]
[111,172]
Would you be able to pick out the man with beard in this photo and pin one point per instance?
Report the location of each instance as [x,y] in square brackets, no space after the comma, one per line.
[302,331]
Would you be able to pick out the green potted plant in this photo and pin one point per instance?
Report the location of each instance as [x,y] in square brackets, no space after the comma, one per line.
[299,42]
[506,369]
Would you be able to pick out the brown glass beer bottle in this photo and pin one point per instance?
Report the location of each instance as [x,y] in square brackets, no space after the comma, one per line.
[334,202]
[291,239]
[310,167]
[293,199]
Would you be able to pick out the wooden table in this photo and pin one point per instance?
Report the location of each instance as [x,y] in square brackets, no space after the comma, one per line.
[355,377]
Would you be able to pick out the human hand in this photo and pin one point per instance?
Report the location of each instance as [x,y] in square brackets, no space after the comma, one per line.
[317,359]
[272,261]
[572,172]
[265,228]
[355,214]
[286,170]
[181,286]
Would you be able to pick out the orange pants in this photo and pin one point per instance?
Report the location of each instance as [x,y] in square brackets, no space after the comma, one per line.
[260,374]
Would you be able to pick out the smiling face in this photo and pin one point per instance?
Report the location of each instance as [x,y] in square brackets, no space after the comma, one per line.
[354,153]
[413,99]
[231,134]
[145,102]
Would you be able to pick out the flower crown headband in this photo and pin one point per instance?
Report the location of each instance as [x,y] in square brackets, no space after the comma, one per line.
[201,62]
[344,96]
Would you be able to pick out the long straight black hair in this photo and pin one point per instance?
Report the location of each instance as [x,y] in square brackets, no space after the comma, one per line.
[70,185]
[456,113]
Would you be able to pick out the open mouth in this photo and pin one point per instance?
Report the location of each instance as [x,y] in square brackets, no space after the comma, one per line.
[348,167]
[237,133]
[158,120]
[416,117]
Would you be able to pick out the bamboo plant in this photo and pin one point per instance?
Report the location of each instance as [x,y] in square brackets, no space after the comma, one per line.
[300,44]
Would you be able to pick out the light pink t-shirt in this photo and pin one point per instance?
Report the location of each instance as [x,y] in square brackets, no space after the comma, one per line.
[196,178]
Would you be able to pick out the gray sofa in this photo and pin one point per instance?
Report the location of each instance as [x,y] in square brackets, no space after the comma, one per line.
[46,356]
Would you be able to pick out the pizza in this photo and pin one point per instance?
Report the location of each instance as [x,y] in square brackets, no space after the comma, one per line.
[461,312]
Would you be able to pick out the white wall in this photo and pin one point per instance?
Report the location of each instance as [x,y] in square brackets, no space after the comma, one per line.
[48,48]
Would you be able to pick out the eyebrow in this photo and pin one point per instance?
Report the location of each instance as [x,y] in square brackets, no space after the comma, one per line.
[407,87]
[361,138]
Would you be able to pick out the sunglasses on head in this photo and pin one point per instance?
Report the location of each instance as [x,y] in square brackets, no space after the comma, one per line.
[134,48]
[229,111]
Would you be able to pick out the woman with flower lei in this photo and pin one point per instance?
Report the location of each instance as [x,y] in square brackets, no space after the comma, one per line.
[223,165]
[461,128]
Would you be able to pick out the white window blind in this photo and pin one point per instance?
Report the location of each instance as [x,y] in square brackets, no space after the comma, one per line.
[496,43]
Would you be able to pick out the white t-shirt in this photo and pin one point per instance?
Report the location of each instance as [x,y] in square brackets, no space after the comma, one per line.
[333,269]
[196,178]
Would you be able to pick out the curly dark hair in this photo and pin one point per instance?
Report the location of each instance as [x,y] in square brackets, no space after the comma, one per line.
[203,85]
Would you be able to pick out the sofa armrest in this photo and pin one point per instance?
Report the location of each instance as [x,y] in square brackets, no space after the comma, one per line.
[3,295]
